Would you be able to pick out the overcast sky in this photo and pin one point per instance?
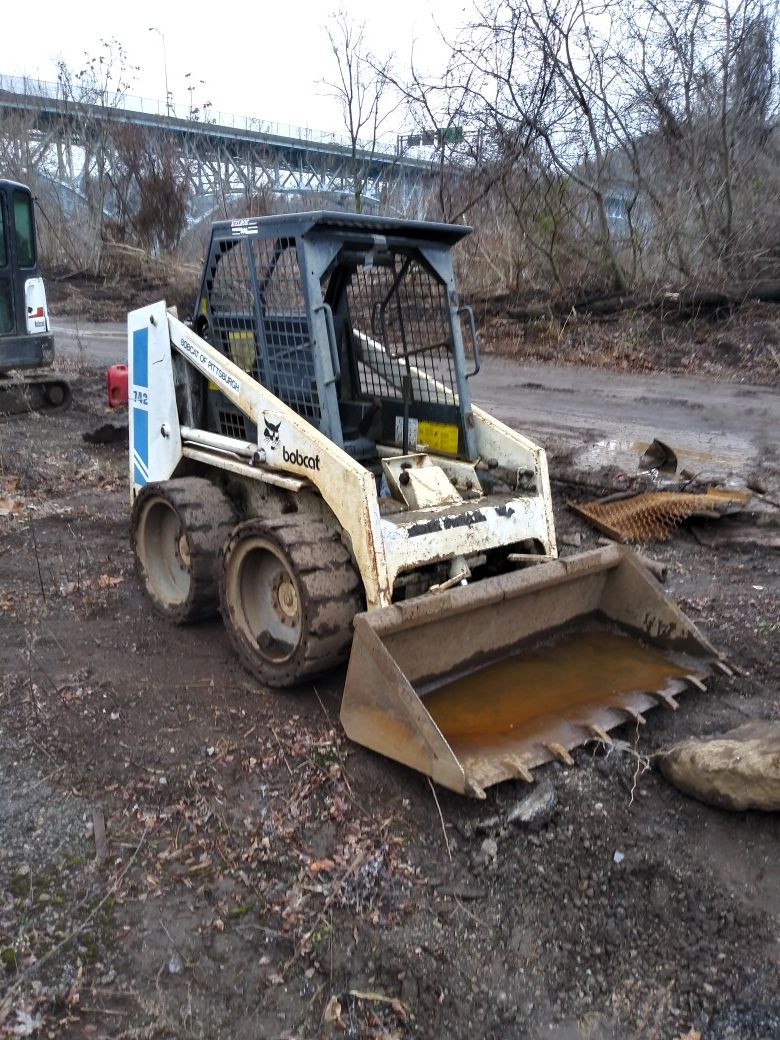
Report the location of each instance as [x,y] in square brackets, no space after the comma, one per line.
[267,61]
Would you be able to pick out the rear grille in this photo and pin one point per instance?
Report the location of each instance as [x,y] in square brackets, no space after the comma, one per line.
[231,424]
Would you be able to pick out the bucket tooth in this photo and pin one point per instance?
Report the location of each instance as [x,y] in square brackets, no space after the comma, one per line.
[694,680]
[473,788]
[518,769]
[723,668]
[666,699]
[560,753]
[598,733]
[632,713]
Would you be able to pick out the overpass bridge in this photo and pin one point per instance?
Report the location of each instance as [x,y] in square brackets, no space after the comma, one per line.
[45,130]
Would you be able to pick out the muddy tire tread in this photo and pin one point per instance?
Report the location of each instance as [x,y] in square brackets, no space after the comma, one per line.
[331,594]
[208,519]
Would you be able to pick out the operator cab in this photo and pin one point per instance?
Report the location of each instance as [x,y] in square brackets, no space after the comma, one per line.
[25,336]
[352,321]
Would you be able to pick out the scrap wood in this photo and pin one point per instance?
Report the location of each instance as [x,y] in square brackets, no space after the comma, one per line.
[99,832]
[380,998]
[653,516]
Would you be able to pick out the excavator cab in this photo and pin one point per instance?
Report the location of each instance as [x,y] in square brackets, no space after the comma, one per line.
[26,341]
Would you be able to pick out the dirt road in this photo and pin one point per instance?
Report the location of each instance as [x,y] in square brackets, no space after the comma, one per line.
[186,855]
[593,417]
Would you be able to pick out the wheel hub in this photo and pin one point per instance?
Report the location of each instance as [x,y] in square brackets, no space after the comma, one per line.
[285,600]
[183,549]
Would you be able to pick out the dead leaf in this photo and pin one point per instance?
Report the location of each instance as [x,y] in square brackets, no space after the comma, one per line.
[318,865]
[332,1012]
[10,506]
[105,581]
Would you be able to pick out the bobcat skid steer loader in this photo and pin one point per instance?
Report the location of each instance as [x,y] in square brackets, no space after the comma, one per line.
[307,460]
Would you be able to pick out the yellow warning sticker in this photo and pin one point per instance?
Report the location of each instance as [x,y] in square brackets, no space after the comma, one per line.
[242,349]
[438,436]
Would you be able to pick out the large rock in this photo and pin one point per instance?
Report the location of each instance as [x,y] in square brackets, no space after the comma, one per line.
[737,770]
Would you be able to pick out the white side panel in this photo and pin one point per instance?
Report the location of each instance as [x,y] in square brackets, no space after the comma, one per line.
[293,446]
[155,439]
[441,534]
[35,306]
[515,452]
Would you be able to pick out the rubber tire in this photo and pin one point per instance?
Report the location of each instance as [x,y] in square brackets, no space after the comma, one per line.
[328,594]
[181,589]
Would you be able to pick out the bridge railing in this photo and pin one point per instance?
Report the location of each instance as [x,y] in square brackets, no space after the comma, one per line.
[134,103]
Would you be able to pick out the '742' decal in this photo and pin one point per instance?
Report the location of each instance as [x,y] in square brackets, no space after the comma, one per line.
[141,397]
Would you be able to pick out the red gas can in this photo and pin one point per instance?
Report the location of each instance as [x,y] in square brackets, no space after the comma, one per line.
[116,384]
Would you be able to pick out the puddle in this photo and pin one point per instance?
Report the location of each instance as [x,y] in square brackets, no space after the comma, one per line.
[700,453]
[526,697]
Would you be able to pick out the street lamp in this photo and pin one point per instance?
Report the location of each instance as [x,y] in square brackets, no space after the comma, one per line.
[161,34]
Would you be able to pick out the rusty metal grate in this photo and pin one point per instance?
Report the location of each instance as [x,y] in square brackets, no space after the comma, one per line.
[652,517]
[404,309]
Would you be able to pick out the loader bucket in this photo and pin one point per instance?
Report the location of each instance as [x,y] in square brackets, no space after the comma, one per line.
[479,684]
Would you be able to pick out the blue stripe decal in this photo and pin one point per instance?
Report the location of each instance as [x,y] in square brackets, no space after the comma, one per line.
[141,440]
[138,477]
[141,357]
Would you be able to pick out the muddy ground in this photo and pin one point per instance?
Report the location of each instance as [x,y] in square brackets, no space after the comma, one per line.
[262,877]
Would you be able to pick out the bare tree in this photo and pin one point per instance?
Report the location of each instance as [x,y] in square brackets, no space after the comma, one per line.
[360,87]
[101,84]
[627,142]
[706,94]
[149,189]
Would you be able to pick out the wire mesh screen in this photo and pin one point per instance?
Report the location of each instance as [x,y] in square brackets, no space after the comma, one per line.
[266,332]
[401,316]
[232,424]
[231,307]
[286,332]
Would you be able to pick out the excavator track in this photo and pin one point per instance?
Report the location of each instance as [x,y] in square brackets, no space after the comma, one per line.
[44,394]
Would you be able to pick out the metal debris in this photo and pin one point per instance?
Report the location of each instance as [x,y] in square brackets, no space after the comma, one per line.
[653,516]
[532,812]
[658,456]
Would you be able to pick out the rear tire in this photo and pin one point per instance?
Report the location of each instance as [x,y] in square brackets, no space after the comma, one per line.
[288,594]
[179,528]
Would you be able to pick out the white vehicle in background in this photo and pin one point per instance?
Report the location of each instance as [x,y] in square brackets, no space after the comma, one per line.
[26,342]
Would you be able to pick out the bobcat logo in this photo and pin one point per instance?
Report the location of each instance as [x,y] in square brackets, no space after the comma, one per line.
[272,433]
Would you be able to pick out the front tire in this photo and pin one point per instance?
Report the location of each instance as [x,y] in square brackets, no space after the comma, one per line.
[288,595]
[179,528]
